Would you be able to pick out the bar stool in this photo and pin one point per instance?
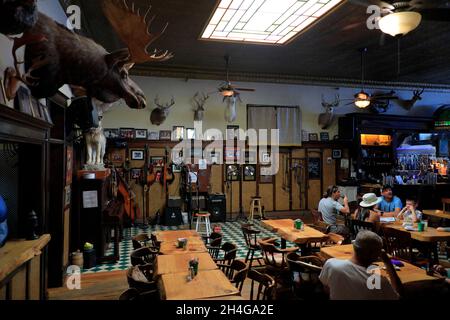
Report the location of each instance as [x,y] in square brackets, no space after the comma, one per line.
[203,220]
[255,207]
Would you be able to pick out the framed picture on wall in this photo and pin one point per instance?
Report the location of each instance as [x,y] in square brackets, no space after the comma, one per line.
[313,137]
[140,133]
[117,157]
[111,133]
[190,133]
[324,136]
[336,154]
[153,135]
[157,161]
[165,135]
[22,102]
[135,173]
[249,172]
[178,133]
[126,133]
[314,168]
[137,154]
[232,172]
[265,157]
[265,175]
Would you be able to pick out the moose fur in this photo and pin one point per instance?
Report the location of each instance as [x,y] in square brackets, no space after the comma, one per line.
[17,16]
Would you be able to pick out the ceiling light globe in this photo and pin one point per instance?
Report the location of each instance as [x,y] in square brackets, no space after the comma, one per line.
[362,104]
[228,93]
[400,23]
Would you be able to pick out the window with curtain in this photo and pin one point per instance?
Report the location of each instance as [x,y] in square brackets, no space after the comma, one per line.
[286,119]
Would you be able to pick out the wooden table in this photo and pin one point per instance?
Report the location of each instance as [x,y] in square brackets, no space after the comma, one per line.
[207,284]
[178,263]
[285,228]
[429,235]
[174,235]
[407,274]
[193,245]
[437,213]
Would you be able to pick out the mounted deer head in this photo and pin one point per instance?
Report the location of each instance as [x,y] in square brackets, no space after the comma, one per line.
[326,119]
[199,111]
[408,104]
[161,112]
[55,56]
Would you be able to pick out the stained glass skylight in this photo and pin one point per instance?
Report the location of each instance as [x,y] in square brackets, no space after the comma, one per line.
[264,21]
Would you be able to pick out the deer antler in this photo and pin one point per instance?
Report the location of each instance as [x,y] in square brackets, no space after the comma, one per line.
[134,30]
[200,101]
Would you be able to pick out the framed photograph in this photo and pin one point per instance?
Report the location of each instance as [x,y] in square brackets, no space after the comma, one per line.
[232,154]
[46,112]
[233,172]
[190,133]
[22,102]
[324,136]
[36,109]
[157,161]
[140,134]
[305,136]
[313,137]
[111,133]
[165,135]
[214,157]
[69,165]
[176,168]
[314,168]
[249,172]
[137,154]
[265,175]
[117,157]
[232,132]
[153,135]
[178,133]
[126,133]
[336,154]
[135,173]
[265,157]
[67,196]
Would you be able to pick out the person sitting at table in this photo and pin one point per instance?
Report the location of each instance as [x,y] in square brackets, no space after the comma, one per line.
[410,212]
[329,207]
[443,229]
[352,279]
[366,211]
[390,205]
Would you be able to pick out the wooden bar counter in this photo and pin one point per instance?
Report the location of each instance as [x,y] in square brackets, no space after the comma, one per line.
[20,269]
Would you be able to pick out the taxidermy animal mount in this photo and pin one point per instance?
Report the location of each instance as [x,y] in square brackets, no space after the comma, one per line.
[230,110]
[95,148]
[199,111]
[161,112]
[17,16]
[408,104]
[55,56]
[326,119]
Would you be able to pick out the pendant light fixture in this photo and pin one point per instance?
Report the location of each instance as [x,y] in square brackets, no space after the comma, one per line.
[400,23]
[362,99]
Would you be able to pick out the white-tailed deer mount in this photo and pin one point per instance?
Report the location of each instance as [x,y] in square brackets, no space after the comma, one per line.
[326,119]
[408,104]
[161,112]
[230,110]
[199,102]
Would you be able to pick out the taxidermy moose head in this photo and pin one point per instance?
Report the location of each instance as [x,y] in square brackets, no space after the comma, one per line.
[199,111]
[55,56]
[17,16]
[326,119]
[161,112]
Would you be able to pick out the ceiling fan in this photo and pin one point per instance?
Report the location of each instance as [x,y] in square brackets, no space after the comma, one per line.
[226,89]
[378,102]
[402,17]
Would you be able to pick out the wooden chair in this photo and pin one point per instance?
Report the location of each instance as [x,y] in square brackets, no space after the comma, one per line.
[398,243]
[305,273]
[139,241]
[356,226]
[129,294]
[224,254]
[318,222]
[446,204]
[275,258]
[265,285]
[236,272]
[138,280]
[155,242]
[144,255]
[251,241]
[214,240]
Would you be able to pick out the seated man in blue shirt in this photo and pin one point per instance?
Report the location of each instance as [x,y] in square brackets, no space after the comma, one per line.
[390,205]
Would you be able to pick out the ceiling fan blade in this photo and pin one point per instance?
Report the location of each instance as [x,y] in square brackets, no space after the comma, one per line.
[426,4]
[435,14]
[382,39]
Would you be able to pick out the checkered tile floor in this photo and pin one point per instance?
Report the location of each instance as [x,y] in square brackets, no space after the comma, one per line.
[231,233]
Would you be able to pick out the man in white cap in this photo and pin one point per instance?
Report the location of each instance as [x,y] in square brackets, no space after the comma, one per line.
[353,280]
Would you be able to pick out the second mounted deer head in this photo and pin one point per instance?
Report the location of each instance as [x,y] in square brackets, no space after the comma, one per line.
[199,102]
[326,119]
[408,104]
[161,112]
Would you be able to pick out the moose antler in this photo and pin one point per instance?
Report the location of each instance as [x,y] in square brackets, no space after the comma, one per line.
[134,30]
